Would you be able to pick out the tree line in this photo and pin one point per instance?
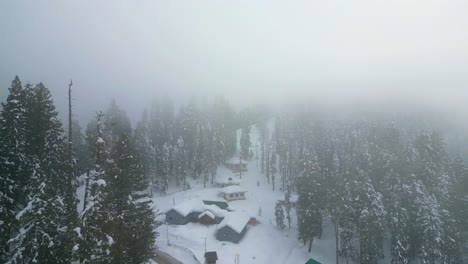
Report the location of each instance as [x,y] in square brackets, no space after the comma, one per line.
[374,179]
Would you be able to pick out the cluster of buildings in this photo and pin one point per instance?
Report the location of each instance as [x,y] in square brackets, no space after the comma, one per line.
[231,226]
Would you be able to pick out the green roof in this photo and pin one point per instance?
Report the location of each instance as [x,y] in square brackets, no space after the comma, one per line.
[312,261]
[220,204]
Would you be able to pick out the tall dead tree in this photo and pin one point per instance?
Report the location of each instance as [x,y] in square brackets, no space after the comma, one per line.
[70,143]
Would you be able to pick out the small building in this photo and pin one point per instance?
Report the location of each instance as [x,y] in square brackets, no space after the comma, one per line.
[252,221]
[233,227]
[191,210]
[185,212]
[207,218]
[232,193]
[236,165]
[211,257]
[225,180]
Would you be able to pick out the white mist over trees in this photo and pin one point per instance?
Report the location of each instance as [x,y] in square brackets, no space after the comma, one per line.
[375,177]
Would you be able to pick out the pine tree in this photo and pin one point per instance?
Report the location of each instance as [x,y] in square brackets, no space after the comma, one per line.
[46,223]
[398,220]
[273,169]
[347,232]
[279,215]
[79,148]
[370,214]
[431,163]
[245,143]
[430,223]
[309,217]
[14,169]
[147,150]
[132,216]
[95,232]
[287,207]
[180,164]
[115,123]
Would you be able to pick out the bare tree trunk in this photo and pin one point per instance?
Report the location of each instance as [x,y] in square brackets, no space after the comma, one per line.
[70,143]
[336,241]
[310,244]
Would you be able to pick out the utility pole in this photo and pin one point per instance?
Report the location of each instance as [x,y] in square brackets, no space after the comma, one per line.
[167,234]
[205,244]
[240,166]
[256,155]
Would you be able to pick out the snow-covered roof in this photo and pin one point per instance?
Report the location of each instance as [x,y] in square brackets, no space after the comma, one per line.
[235,160]
[225,179]
[237,221]
[188,206]
[208,213]
[233,189]
[214,209]
[195,205]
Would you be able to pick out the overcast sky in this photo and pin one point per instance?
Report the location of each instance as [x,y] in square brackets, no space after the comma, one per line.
[248,50]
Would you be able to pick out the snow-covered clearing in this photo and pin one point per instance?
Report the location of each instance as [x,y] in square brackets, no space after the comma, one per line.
[263,243]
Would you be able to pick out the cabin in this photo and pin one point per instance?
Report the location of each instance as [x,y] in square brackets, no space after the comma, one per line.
[232,193]
[225,180]
[232,228]
[236,165]
[211,257]
[182,213]
[207,218]
[194,211]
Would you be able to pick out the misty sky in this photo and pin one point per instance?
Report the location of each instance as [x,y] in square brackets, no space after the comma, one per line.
[247,50]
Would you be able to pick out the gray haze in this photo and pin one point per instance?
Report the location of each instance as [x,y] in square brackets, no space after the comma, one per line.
[332,51]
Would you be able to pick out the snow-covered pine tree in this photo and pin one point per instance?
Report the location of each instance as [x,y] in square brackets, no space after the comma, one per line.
[46,223]
[188,130]
[279,215]
[245,142]
[180,167]
[115,123]
[212,156]
[347,226]
[14,167]
[131,224]
[430,223]
[223,124]
[288,206]
[457,205]
[146,150]
[309,216]
[273,169]
[94,246]
[166,167]
[370,214]
[80,149]
[397,218]
[431,163]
